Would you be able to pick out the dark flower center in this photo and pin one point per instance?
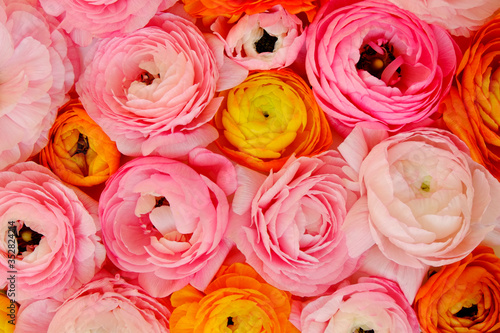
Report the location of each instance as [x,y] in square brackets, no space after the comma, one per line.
[82,145]
[266,43]
[27,239]
[469,312]
[230,321]
[161,201]
[147,77]
[360,330]
[375,62]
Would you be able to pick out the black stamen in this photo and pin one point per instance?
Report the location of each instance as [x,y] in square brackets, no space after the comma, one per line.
[147,78]
[360,330]
[161,201]
[266,43]
[230,321]
[469,312]
[82,146]
[375,63]
[27,237]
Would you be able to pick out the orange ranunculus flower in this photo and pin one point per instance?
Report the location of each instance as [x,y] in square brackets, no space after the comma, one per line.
[8,312]
[79,152]
[463,296]
[233,9]
[237,300]
[472,110]
[269,117]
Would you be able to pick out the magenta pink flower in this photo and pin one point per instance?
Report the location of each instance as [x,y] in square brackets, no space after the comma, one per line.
[370,305]
[288,225]
[36,72]
[424,201]
[374,63]
[267,40]
[47,232]
[84,20]
[166,220]
[460,18]
[152,90]
[103,305]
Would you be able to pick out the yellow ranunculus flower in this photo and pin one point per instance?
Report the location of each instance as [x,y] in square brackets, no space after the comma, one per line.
[6,314]
[269,117]
[79,152]
[237,300]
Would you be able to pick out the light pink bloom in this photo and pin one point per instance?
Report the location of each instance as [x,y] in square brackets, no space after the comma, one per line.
[267,40]
[460,17]
[424,200]
[36,72]
[371,304]
[152,90]
[288,225]
[166,220]
[57,249]
[84,19]
[374,63]
[104,305]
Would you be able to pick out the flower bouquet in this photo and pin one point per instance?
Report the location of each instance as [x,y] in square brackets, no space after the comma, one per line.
[193,166]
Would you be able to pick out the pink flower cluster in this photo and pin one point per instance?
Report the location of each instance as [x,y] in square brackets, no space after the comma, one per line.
[349,234]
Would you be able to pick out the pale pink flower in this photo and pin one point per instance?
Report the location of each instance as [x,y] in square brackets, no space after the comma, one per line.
[424,200]
[106,304]
[152,90]
[370,305]
[459,17]
[84,20]
[288,225]
[47,234]
[374,63]
[166,220]
[36,72]
[267,40]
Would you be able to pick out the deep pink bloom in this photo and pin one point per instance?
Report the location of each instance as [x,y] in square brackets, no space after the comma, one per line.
[36,72]
[56,249]
[460,18]
[288,225]
[371,304]
[166,220]
[106,304]
[152,90]
[424,201]
[267,40]
[84,20]
[372,62]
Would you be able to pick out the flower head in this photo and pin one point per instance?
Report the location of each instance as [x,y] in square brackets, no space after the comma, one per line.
[152,90]
[53,230]
[472,110]
[238,300]
[269,117]
[79,152]
[463,296]
[370,305]
[374,63]
[37,69]
[289,224]
[166,220]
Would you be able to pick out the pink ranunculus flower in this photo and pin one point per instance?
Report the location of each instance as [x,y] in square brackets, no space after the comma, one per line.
[152,90]
[461,18]
[47,234]
[424,201]
[263,41]
[107,304]
[288,225]
[37,69]
[84,20]
[374,63]
[167,221]
[370,305]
